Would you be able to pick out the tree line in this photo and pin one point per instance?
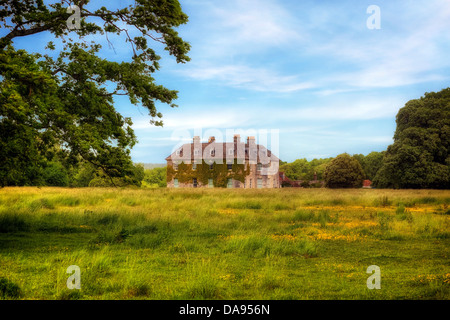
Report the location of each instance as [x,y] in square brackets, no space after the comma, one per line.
[359,167]
[418,158]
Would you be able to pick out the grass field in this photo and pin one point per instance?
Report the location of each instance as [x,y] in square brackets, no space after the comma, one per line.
[224,244]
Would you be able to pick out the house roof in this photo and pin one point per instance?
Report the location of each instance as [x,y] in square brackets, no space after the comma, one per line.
[221,150]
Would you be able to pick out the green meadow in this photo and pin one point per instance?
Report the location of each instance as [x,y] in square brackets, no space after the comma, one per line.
[224,243]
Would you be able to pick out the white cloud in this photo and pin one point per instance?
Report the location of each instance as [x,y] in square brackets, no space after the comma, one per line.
[227,29]
[359,110]
[242,76]
[412,47]
[232,35]
[207,118]
[251,44]
[255,22]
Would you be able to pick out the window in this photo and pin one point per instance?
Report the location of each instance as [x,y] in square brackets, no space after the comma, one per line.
[212,152]
[194,182]
[259,166]
[175,166]
[211,166]
[259,183]
[178,152]
[210,183]
[194,166]
[175,183]
[250,183]
[229,166]
[229,183]
[230,152]
[195,152]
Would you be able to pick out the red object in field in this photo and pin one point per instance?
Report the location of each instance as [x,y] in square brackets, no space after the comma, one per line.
[367,183]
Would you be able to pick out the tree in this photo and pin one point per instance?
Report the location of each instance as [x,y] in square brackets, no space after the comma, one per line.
[343,171]
[66,98]
[85,173]
[302,169]
[317,168]
[420,154]
[55,175]
[133,178]
[370,163]
[156,177]
[296,170]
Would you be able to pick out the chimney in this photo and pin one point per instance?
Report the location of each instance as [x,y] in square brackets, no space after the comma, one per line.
[252,151]
[196,148]
[211,139]
[237,138]
[196,139]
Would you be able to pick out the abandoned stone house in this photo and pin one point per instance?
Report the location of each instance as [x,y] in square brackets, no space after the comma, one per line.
[223,164]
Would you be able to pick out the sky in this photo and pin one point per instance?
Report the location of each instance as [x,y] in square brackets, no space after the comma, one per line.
[314,72]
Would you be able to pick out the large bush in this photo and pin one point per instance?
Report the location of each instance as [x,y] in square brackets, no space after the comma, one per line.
[344,171]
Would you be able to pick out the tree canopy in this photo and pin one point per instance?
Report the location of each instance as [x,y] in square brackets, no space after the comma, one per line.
[302,169]
[61,105]
[156,177]
[370,163]
[344,171]
[420,154]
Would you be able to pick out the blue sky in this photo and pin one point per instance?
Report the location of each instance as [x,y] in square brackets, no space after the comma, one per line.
[311,69]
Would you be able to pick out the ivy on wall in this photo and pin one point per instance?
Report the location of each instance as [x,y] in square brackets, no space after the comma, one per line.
[203,172]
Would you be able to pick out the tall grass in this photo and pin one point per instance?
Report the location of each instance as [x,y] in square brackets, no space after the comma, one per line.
[222,243]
